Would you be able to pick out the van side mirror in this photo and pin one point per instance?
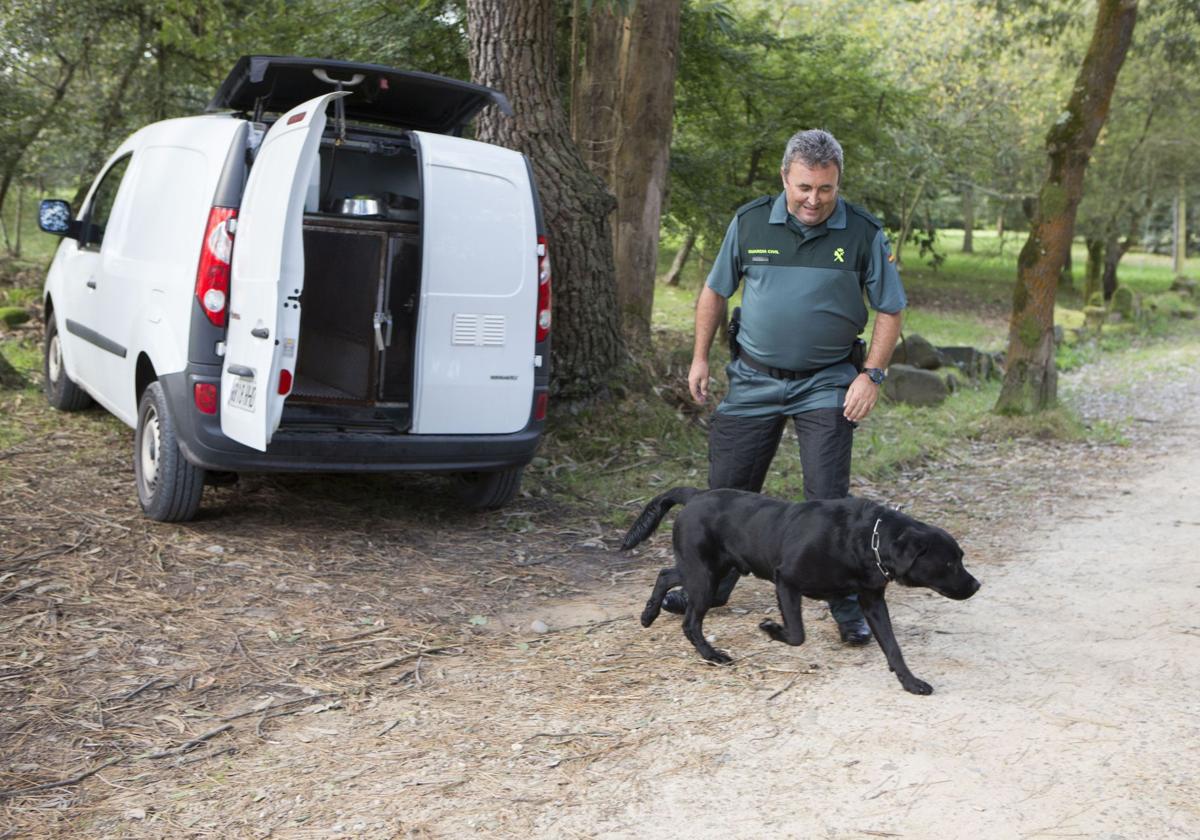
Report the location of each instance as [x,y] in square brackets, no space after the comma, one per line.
[54,216]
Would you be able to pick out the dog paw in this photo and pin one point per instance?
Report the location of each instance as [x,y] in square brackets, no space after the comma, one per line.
[719,658]
[779,633]
[773,629]
[648,615]
[915,686]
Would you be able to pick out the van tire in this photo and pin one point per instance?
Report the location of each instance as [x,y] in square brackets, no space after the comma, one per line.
[488,490]
[60,391]
[168,485]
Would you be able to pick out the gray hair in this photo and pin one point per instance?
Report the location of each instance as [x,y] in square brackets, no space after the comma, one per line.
[815,148]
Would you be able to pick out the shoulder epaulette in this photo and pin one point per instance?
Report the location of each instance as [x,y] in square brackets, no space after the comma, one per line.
[862,212]
[758,202]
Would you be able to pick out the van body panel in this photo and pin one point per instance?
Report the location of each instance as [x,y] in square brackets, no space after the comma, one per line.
[263,336]
[478,304]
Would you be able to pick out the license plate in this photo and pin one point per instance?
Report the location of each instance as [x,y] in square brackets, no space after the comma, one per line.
[242,394]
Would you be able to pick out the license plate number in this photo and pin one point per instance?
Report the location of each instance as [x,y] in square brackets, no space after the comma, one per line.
[242,394]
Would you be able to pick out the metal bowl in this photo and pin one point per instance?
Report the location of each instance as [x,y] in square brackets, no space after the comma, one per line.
[360,205]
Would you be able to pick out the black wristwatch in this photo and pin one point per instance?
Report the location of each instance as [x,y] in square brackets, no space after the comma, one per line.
[876,375]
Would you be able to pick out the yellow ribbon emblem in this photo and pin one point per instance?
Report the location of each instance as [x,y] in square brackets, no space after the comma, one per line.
[839,255]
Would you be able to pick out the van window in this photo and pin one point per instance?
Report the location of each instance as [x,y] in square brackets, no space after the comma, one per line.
[103,198]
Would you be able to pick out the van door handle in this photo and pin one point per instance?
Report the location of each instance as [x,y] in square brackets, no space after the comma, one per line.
[242,370]
[260,332]
[91,283]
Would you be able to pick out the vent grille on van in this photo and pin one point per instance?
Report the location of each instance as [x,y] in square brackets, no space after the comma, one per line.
[478,330]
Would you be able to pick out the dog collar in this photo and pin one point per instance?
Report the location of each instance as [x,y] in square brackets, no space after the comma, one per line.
[875,547]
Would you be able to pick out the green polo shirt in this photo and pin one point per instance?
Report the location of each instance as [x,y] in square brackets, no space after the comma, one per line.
[802,303]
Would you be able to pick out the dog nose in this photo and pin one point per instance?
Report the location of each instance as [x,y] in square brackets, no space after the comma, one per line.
[975,584]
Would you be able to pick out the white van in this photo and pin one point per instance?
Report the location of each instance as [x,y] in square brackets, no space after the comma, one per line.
[271,288]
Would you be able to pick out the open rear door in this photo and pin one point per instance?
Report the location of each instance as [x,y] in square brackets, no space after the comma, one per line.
[475,328]
[267,277]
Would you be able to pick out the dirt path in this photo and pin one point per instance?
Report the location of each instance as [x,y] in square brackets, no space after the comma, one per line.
[1064,704]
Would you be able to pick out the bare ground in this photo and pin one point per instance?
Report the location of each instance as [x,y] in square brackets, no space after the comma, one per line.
[350,657]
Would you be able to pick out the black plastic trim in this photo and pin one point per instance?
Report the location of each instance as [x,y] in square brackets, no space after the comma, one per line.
[92,337]
[368,449]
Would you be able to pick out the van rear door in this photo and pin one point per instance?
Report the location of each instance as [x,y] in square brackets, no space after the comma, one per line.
[267,277]
[476,322]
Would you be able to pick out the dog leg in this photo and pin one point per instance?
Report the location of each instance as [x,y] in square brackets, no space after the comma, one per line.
[876,612]
[725,588]
[792,630]
[667,579]
[699,599]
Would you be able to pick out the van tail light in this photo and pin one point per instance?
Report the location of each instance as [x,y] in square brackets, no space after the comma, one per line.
[216,253]
[541,400]
[205,396]
[285,381]
[543,304]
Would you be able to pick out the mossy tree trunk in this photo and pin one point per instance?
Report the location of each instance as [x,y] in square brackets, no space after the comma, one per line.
[1031,380]
[512,49]
[621,119]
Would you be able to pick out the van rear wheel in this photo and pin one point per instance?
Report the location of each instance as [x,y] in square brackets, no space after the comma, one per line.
[61,392]
[488,490]
[168,485]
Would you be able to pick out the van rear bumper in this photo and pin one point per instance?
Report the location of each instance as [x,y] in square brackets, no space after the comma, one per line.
[324,449]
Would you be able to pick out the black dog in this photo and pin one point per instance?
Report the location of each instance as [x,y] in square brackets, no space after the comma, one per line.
[822,550]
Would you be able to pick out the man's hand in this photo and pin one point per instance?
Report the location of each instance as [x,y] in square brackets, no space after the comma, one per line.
[861,397]
[698,380]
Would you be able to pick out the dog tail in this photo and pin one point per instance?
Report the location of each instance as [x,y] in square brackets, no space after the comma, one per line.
[654,513]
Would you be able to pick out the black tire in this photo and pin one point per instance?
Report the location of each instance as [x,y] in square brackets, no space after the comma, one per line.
[488,490]
[61,392]
[168,485]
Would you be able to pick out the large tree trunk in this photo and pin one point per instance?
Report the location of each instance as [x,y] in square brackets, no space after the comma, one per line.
[1031,379]
[622,109]
[512,49]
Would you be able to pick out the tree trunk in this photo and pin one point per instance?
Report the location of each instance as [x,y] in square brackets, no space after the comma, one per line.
[622,113]
[672,278]
[1031,379]
[20,215]
[512,49]
[1180,250]
[1066,277]
[968,214]
[908,212]
[112,113]
[13,163]
[1114,249]
[1095,269]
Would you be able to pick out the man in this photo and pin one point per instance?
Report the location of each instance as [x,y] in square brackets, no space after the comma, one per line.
[806,257]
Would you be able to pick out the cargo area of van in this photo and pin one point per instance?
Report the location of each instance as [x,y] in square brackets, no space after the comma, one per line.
[361,278]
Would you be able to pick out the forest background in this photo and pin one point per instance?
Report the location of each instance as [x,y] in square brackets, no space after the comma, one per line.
[675,113]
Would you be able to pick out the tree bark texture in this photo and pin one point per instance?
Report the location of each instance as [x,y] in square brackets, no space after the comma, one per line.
[512,49]
[1094,270]
[1031,379]
[622,112]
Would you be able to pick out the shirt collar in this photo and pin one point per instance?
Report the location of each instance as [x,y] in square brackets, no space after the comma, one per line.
[779,214]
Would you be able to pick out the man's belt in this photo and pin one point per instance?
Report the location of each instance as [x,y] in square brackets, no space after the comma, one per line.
[779,373]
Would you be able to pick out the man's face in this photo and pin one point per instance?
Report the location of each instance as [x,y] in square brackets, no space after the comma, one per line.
[811,193]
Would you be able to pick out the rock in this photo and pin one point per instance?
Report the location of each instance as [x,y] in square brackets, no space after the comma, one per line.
[13,315]
[1126,303]
[1059,335]
[917,352]
[1094,318]
[913,386]
[1185,286]
[539,626]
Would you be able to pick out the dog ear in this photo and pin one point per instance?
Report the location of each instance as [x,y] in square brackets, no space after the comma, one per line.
[910,545]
